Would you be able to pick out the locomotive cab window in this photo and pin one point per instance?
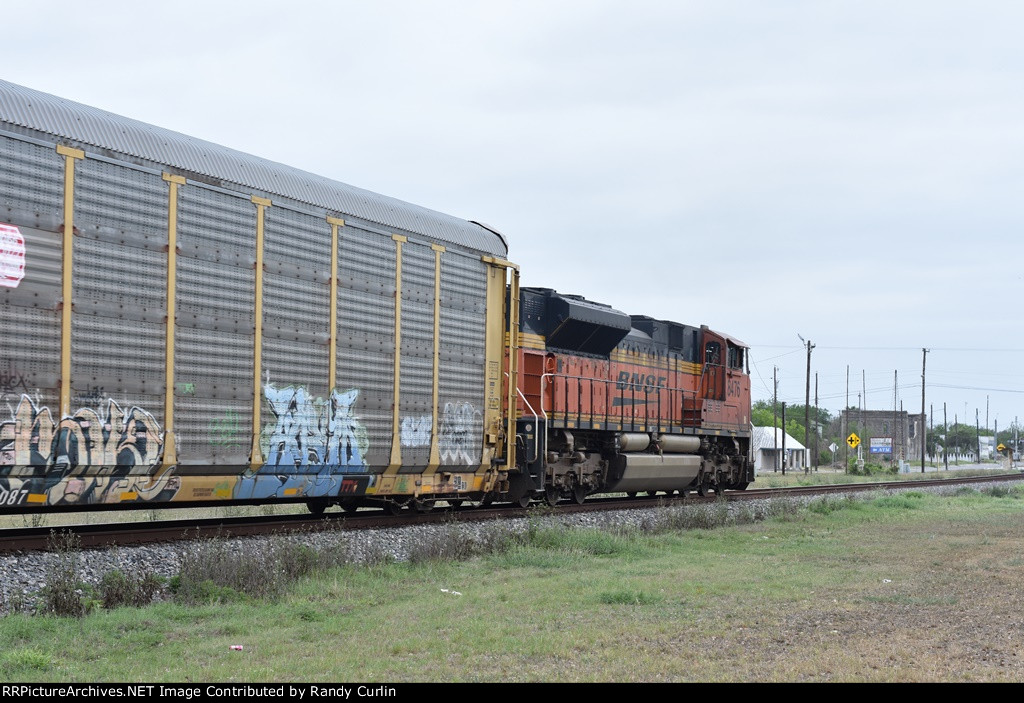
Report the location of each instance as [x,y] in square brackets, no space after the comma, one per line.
[712,353]
[735,357]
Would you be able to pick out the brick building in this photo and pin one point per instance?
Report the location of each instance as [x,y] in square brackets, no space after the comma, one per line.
[886,434]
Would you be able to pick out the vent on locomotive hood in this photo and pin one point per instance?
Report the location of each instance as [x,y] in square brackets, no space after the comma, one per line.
[573,323]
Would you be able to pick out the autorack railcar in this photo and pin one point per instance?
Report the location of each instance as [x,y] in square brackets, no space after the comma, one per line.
[184,324]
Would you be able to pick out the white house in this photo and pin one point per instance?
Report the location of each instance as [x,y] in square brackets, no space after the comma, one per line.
[767,450]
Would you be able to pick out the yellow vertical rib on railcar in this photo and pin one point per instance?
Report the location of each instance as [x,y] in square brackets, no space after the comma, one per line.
[396,440]
[170,453]
[256,454]
[434,459]
[498,409]
[332,346]
[69,155]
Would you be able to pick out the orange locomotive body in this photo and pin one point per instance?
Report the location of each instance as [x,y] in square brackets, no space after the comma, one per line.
[614,403]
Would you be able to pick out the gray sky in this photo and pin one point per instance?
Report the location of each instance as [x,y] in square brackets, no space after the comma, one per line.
[848,171]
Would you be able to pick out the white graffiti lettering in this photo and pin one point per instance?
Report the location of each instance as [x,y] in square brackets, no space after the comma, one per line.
[416,431]
[313,432]
[459,434]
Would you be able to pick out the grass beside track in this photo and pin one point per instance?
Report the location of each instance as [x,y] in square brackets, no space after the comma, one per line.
[902,587]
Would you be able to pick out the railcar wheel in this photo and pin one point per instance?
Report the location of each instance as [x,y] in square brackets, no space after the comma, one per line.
[350,506]
[420,506]
[579,494]
[393,508]
[455,502]
[524,500]
[631,494]
[317,506]
[487,499]
[551,496]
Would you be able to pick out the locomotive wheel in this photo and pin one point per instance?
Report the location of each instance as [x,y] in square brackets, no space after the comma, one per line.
[720,485]
[579,494]
[551,496]
[702,486]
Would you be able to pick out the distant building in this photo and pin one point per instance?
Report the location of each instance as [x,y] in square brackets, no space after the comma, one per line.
[885,434]
[767,448]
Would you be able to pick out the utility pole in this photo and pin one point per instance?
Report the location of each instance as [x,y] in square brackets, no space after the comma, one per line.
[807,405]
[775,417]
[924,434]
[977,434]
[895,417]
[815,420]
[864,399]
[846,421]
[945,440]
[783,439]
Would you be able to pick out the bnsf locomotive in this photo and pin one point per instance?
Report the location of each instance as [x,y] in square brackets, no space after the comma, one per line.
[182,324]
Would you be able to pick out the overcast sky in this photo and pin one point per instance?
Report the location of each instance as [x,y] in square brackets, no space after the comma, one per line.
[846,171]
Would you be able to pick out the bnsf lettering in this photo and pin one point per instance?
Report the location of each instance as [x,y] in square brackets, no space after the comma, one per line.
[639,382]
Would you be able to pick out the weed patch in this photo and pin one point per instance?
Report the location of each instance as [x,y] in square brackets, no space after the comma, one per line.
[64,593]
[830,504]
[910,500]
[630,597]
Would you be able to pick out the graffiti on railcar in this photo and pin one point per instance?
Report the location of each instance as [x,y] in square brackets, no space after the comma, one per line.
[88,455]
[313,432]
[308,443]
[416,430]
[459,434]
[311,443]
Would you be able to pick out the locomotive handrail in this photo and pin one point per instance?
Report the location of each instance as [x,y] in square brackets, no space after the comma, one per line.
[536,441]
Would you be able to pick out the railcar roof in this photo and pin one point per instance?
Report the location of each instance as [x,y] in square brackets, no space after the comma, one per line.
[64,119]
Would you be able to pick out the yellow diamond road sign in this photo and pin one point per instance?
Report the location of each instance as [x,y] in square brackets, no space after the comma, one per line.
[1001,447]
[853,440]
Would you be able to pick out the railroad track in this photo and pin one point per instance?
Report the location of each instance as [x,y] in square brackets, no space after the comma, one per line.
[106,535]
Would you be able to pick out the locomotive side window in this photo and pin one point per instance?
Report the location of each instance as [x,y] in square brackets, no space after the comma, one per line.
[712,353]
[735,357]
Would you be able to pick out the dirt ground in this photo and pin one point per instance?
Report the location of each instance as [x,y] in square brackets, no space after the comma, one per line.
[950,609]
